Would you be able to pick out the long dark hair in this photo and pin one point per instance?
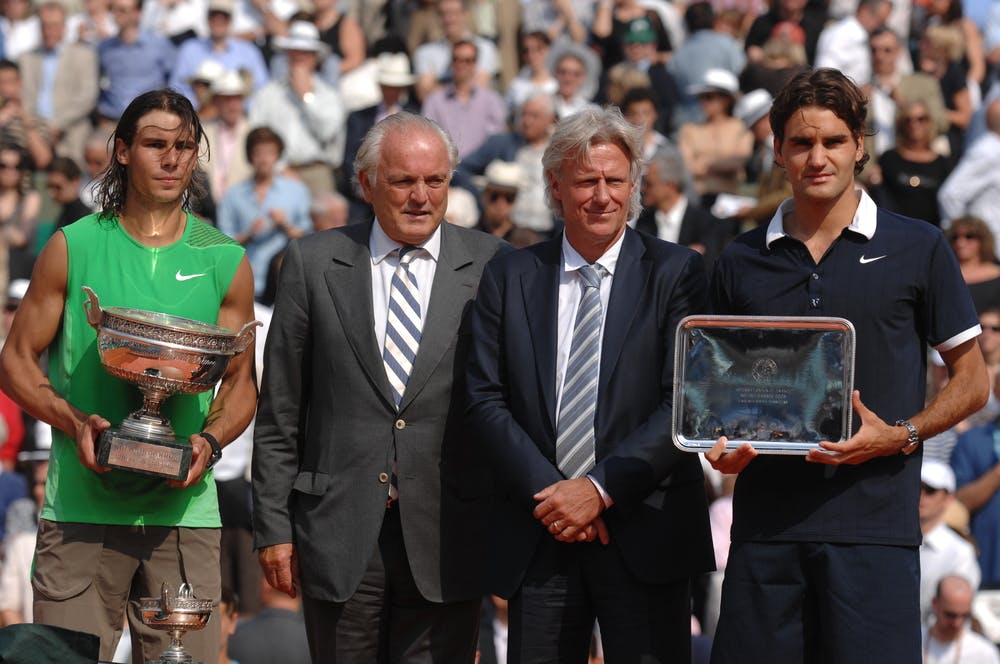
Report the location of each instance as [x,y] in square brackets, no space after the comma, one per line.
[113,181]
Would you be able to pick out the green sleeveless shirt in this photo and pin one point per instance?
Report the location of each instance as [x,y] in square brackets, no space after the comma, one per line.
[188,278]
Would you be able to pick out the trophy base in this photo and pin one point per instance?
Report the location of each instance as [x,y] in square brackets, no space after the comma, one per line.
[158,458]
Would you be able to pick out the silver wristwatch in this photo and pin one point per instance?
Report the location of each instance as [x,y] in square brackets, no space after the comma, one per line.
[912,438]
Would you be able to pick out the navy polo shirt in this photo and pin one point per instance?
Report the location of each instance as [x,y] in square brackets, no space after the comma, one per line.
[897,280]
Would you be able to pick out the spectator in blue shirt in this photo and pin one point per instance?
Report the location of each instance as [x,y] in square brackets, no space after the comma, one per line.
[132,62]
[265,211]
[232,53]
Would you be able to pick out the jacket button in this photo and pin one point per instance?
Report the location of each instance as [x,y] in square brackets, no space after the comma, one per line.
[383,477]
[400,424]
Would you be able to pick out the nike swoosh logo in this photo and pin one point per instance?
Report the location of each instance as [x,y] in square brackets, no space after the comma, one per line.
[185,277]
[865,261]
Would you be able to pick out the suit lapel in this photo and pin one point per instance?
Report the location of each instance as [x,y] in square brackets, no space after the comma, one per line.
[627,290]
[540,289]
[349,280]
[453,288]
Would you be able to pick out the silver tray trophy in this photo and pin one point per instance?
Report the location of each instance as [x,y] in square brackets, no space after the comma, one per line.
[176,614]
[162,355]
[782,384]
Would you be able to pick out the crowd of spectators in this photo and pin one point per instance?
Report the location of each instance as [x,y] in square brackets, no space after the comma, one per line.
[286,89]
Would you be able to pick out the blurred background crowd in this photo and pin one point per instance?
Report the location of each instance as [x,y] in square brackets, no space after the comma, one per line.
[286,89]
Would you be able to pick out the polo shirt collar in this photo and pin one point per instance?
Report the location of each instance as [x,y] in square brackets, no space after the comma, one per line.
[864,222]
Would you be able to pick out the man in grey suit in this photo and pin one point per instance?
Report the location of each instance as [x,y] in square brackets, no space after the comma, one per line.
[369,495]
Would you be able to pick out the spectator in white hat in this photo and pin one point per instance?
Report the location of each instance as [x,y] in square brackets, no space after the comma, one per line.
[220,45]
[502,181]
[753,110]
[395,80]
[717,148]
[227,134]
[943,551]
[307,112]
[201,86]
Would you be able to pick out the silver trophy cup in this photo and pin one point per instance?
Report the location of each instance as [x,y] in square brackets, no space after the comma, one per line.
[175,614]
[162,355]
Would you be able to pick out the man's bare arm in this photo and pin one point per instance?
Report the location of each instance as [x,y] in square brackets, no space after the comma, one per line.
[34,328]
[236,400]
[966,392]
[978,492]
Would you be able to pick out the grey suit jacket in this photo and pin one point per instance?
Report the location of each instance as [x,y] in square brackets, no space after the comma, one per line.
[74,94]
[327,429]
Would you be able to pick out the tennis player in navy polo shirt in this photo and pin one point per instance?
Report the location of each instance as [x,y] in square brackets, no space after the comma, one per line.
[824,564]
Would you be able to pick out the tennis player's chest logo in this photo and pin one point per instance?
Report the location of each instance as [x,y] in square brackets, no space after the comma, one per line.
[187,277]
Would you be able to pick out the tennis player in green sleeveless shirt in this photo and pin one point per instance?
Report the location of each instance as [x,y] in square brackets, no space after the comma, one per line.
[107,536]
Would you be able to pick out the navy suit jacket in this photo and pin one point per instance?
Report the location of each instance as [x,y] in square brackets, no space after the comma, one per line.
[698,226]
[659,520]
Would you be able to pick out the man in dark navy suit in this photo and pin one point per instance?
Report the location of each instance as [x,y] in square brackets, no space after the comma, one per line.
[597,514]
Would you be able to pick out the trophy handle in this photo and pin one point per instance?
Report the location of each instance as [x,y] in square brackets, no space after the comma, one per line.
[245,336]
[92,307]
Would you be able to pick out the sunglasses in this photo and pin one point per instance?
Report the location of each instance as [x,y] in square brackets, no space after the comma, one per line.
[494,196]
[929,490]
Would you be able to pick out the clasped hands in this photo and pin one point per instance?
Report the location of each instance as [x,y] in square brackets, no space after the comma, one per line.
[570,511]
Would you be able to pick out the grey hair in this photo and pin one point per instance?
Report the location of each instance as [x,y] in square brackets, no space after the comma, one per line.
[324,200]
[367,158]
[544,97]
[670,163]
[577,134]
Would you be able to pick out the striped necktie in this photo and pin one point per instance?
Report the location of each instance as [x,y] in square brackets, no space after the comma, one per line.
[575,428]
[403,325]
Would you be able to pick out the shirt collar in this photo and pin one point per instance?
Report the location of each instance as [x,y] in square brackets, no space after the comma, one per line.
[381,245]
[573,261]
[864,222]
[937,538]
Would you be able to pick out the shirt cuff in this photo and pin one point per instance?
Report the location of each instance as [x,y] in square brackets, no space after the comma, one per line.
[608,500]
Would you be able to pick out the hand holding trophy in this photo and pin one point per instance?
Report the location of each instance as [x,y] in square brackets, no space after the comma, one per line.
[162,355]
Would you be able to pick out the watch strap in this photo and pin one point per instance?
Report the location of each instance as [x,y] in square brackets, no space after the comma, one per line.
[912,437]
[216,448]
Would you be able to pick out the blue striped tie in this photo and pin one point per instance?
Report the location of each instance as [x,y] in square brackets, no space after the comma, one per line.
[402,329]
[575,428]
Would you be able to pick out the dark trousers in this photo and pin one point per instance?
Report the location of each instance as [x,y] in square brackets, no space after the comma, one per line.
[568,586]
[823,603]
[387,620]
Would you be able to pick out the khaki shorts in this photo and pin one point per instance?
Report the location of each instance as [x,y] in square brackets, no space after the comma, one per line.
[88,576]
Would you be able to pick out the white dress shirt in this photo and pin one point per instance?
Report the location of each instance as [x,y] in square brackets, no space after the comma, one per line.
[570,295]
[668,224]
[969,648]
[973,187]
[942,553]
[384,263]
[844,45]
